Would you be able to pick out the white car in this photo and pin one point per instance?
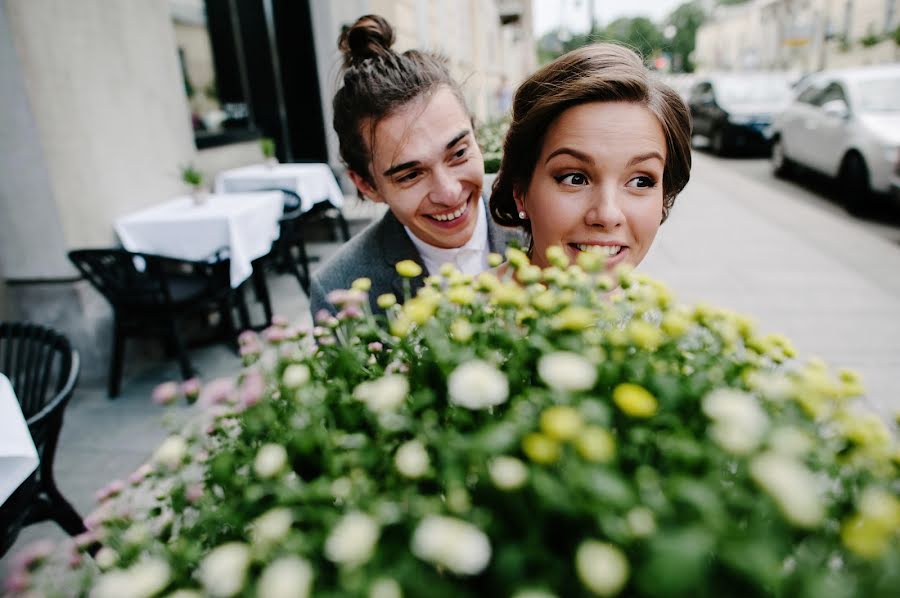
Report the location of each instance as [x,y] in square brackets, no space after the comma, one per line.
[845,124]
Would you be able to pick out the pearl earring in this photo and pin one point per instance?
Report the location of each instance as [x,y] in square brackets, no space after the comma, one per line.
[523,215]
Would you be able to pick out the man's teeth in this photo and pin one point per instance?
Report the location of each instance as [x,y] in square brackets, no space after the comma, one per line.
[607,250]
[452,215]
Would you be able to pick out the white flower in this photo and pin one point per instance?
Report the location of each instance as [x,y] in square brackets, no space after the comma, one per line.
[185,594]
[352,540]
[287,577]
[385,394]
[477,385]
[295,375]
[142,580]
[270,461]
[453,543]
[790,441]
[601,567]
[739,423]
[411,459]
[272,526]
[641,521]
[223,571]
[385,587]
[171,452]
[508,473]
[106,557]
[791,485]
[534,593]
[567,371]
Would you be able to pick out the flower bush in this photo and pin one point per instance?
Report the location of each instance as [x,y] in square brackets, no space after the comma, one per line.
[533,437]
[491,136]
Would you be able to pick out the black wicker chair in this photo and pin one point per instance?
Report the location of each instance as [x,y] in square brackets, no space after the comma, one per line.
[149,294]
[43,370]
[288,252]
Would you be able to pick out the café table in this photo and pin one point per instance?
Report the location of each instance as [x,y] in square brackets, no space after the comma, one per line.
[18,456]
[313,182]
[245,224]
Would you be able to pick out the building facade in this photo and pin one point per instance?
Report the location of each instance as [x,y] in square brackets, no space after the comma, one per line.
[104,102]
[799,35]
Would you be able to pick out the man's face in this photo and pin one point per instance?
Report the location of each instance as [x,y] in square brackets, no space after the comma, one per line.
[428,169]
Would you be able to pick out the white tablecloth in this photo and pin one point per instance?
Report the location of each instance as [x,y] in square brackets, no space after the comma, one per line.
[244,223]
[313,182]
[18,457]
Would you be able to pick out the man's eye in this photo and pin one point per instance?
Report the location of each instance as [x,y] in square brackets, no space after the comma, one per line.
[408,177]
[573,178]
[642,182]
[461,152]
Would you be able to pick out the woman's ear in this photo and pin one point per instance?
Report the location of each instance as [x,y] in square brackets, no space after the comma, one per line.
[519,198]
[364,187]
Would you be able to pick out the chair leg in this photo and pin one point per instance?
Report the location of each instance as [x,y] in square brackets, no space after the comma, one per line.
[181,352]
[345,228]
[62,512]
[262,291]
[228,329]
[243,311]
[115,365]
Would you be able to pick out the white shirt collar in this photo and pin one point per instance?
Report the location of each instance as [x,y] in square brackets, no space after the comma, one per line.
[471,258]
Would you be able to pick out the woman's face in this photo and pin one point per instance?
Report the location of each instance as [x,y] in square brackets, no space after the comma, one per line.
[597,183]
[428,169]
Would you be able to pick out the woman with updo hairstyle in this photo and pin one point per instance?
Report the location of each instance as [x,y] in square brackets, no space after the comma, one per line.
[407,139]
[595,155]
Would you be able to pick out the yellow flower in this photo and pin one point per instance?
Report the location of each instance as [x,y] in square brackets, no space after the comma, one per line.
[865,536]
[675,323]
[516,257]
[596,445]
[561,422]
[604,282]
[528,274]
[431,282]
[420,309]
[387,300]
[408,269]
[401,326]
[634,400]
[362,284]
[447,270]
[544,301]
[552,274]
[509,294]
[486,281]
[590,261]
[461,295]
[556,255]
[540,448]
[461,330]
[645,335]
[494,259]
[573,318]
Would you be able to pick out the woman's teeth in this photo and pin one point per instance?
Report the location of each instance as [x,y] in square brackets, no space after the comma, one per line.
[452,215]
[607,250]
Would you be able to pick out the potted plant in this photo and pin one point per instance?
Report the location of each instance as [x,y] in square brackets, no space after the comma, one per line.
[194,178]
[267,145]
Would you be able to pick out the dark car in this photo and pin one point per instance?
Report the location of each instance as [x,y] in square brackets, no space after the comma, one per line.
[735,111]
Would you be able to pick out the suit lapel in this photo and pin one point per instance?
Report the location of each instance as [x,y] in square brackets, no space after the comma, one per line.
[396,246]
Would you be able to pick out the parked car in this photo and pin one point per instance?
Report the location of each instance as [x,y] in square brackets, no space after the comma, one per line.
[735,110]
[844,124]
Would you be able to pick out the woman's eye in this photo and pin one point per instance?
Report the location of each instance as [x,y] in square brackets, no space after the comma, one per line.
[642,182]
[573,178]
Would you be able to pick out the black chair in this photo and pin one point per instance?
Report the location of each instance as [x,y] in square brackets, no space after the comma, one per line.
[288,252]
[150,294]
[43,370]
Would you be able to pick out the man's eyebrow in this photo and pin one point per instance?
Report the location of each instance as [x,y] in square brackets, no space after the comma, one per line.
[572,152]
[395,169]
[643,157]
[399,167]
[458,138]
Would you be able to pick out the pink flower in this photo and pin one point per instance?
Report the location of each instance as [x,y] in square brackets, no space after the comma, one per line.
[74,559]
[274,334]
[139,474]
[217,391]
[246,337]
[114,488]
[321,316]
[32,555]
[85,539]
[327,341]
[375,347]
[351,312]
[346,297]
[253,387]
[280,321]
[16,582]
[96,519]
[194,493]
[165,393]
[191,388]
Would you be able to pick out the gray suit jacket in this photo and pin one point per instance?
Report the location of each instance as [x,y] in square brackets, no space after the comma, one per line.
[373,254]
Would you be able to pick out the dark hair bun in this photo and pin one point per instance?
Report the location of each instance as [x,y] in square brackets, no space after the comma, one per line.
[369,37]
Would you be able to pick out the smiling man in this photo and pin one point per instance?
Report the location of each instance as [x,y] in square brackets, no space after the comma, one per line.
[408,142]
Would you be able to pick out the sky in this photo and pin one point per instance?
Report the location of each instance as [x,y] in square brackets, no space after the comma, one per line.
[550,14]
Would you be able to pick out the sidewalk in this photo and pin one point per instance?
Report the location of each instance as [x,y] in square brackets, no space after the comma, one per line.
[817,277]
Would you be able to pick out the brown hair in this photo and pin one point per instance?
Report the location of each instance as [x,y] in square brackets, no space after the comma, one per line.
[603,72]
[378,82]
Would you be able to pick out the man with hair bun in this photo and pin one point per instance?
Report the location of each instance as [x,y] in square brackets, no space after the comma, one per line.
[407,139]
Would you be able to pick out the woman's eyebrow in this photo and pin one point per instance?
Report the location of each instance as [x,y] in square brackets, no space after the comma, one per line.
[644,157]
[572,152]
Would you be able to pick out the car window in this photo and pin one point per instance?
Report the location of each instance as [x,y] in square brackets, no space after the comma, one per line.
[879,95]
[700,91]
[811,94]
[833,92]
[746,90]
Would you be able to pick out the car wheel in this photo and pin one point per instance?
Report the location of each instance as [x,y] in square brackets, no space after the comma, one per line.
[782,167]
[719,143]
[856,195]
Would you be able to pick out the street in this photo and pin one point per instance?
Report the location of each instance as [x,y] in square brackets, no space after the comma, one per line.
[791,257]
